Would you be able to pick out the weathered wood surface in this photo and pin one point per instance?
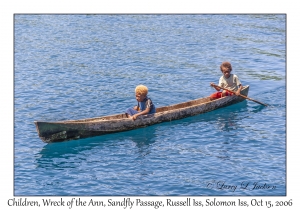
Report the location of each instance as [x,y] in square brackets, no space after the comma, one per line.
[75,129]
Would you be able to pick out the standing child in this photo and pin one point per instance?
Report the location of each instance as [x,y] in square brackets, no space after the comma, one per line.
[145,105]
[228,80]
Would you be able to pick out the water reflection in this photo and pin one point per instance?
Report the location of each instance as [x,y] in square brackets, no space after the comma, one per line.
[57,154]
[144,141]
[143,138]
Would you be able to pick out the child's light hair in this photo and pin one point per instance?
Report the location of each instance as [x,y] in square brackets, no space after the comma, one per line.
[141,90]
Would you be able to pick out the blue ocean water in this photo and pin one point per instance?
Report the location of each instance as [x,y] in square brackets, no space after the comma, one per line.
[83,66]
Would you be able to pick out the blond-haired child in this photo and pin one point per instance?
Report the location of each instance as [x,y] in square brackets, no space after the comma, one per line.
[145,105]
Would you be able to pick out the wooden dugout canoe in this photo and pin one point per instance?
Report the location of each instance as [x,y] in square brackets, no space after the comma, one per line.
[75,129]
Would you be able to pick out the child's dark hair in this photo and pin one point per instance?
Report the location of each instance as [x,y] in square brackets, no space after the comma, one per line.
[225,65]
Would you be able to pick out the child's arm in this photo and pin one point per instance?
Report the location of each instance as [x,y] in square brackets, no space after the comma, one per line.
[213,85]
[238,92]
[146,111]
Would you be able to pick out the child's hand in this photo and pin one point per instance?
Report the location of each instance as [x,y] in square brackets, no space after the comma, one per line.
[134,117]
[213,85]
[238,92]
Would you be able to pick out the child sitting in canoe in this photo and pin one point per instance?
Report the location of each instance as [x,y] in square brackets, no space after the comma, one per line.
[228,81]
[145,104]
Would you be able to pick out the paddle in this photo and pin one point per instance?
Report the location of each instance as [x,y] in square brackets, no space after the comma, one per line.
[239,95]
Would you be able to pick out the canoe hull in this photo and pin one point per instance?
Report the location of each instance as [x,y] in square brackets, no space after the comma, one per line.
[76,129]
